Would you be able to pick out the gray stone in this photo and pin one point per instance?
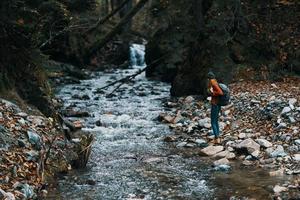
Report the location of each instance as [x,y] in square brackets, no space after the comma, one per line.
[34,139]
[181,144]
[211,150]
[281,125]
[279,172]
[293,149]
[189,99]
[296,157]
[292,101]
[204,122]
[264,143]
[25,189]
[249,145]
[230,156]
[247,163]
[222,161]
[242,135]
[292,120]
[190,145]
[278,152]
[223,168]
[297,142]
[286,110]
[22,114]
[279,189]
[6,195]
[221,154]
[255,154]
[32,156]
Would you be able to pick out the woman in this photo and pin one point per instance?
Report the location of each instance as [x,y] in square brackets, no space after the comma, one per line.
[214,91]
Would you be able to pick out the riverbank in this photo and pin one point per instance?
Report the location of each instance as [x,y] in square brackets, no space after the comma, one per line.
[33,149]
[260,129]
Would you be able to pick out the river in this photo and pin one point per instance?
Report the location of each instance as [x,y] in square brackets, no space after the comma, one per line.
[129,159]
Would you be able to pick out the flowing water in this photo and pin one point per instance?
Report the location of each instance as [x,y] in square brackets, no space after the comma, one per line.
[129,158]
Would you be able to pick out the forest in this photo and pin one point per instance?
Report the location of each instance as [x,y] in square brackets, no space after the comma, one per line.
[149,99]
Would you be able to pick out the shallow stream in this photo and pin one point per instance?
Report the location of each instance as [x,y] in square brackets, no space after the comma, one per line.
[129,158]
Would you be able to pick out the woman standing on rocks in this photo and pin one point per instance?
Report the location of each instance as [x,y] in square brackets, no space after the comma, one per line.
[214,91]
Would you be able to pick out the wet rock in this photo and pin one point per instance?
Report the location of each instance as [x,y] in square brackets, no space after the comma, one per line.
[223,168]
[32,156]
[189,99]
[25,189]
[201,143]
[286,110]
[5,137]
[266,161]
[205,123]
[22,114]
[292,101]
[222,161]
[91,182]
[264,143]
[279,172]
[22,143]
[34,139]
[6,195]
[73,113]
[249,145]
[296,157]
[221,154]
[292,120]
[297,142]
[165,118]
[190,145]
[279,189]
[181,144]
[211,150]
[242,135]
[293,149]
[255,154]
[248,163]
[98,123]
[281,125]
[278,152]
[170,139]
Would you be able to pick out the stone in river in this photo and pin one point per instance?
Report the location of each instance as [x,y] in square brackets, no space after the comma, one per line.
[279,189]
[211,150]
[249,145]
[221,154]
[222,168]
[222,161]
[181,144]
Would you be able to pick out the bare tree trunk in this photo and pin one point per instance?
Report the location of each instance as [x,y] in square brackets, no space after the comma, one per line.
[100,43]
[107,17]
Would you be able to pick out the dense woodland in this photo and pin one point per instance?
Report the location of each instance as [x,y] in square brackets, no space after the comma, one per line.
[40,40]
[188,38]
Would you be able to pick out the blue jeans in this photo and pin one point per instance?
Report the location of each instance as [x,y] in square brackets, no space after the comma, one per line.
[215,110]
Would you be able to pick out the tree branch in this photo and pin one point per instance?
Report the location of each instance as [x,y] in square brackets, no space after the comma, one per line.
[100,43]
[107,17]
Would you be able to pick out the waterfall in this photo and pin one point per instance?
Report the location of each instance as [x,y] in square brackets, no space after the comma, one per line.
[137,55]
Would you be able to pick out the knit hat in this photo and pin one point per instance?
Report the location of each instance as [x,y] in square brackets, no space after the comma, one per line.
[211,75]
